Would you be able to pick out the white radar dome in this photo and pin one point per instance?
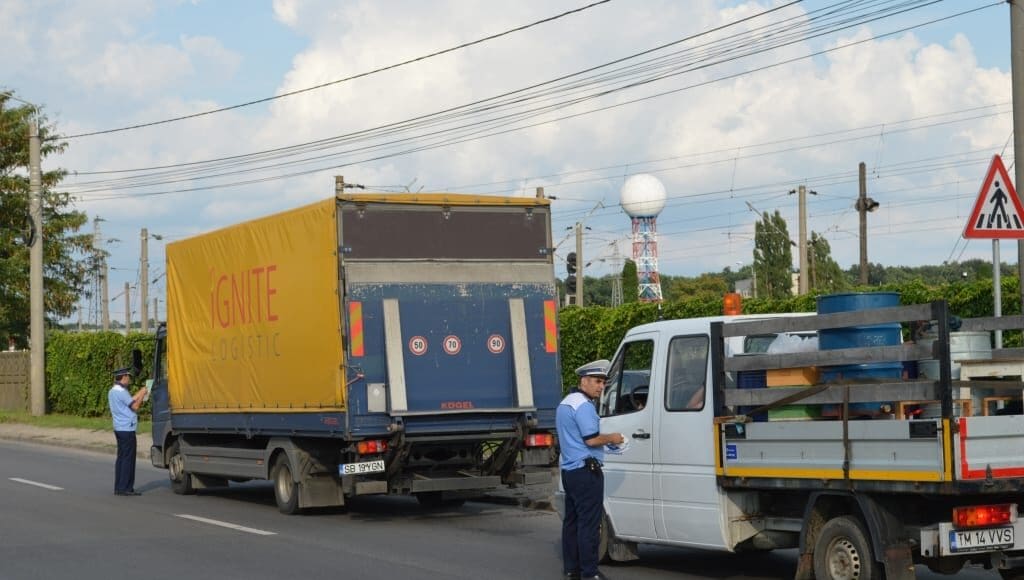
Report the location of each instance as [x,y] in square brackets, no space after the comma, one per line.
[643,195]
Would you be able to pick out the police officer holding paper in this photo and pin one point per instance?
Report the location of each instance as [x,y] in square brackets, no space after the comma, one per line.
[581,442]
[124,410]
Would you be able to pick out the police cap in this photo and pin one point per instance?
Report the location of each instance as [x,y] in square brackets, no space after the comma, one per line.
[121,372]
[598,368]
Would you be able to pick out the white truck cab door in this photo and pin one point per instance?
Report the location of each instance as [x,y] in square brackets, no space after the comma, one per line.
[628,477]
[687,502]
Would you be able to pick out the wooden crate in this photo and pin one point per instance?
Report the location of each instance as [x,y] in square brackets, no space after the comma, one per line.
[965,406]
[795,377]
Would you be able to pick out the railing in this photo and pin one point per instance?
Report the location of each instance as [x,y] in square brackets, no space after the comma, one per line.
[847,392]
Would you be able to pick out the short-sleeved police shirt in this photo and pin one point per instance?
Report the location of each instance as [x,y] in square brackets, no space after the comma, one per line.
[125,419]
[576,420]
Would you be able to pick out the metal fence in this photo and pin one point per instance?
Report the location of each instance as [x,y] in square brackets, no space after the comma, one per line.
[14,380]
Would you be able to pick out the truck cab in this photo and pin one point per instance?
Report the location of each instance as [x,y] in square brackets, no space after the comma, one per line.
[709,466]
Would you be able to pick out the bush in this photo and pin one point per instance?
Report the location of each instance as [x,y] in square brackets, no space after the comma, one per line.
[79,366]
[594,332]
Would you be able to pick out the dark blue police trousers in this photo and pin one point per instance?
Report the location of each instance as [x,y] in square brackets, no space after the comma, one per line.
[124,467]
[584,493]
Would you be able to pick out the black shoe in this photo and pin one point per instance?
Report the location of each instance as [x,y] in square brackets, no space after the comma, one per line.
[598,576]
[571,576]
[129,492]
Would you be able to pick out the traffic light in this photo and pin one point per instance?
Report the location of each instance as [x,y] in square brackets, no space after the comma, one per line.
[570,266]
[570,283]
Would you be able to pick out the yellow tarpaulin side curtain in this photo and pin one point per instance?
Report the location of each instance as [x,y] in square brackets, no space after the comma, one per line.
[253,315]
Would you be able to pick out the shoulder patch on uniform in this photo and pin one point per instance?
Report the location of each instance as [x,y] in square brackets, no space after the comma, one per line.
[575,400]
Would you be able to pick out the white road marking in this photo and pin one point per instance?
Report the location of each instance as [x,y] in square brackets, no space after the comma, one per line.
[227,525]
[36,483]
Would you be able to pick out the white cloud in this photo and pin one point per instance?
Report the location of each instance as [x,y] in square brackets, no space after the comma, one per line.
[707,224]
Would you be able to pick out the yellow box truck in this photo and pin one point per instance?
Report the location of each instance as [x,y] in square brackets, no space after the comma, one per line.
[364,344]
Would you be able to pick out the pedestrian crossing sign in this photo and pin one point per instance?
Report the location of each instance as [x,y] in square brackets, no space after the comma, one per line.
[998,212]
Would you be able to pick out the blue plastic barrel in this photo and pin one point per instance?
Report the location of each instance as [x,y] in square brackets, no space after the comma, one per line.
[860,336]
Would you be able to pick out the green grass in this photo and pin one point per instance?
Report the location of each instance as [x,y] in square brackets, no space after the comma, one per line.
[66,421]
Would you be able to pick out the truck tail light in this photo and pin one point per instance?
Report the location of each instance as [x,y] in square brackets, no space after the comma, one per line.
[981,516]
[540,440]
[372,446]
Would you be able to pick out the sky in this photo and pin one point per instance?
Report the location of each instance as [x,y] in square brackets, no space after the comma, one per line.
[730,104]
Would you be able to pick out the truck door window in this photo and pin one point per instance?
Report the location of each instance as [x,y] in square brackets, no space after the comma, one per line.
[687,373]
[628,379]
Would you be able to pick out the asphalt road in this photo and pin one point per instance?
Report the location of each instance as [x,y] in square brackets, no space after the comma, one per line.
[82,531]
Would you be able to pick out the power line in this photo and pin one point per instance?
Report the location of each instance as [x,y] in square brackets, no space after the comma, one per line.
[472,137]
[443,114]
[346,79]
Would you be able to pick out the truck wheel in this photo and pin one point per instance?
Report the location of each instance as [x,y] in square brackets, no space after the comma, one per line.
[843,552]
[181,480]
[286,491]
[1012,574]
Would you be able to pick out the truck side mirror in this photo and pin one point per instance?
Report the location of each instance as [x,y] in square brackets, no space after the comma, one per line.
[136,361]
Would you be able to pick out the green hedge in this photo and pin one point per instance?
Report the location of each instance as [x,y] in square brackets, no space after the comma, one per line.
[79,366]
[594,332]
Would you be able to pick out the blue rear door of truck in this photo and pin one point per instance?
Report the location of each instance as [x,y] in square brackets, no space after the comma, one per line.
[450,313]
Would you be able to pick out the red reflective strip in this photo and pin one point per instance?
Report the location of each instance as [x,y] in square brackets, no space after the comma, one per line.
[550,328]
[967,473]
[355,326]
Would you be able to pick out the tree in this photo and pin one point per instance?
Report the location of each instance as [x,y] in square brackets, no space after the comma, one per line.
[826,276]
[704,287]
[773,257]
[630,282]
[66,253]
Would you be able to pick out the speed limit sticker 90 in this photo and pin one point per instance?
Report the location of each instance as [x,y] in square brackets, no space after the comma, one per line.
[452,344]
[417,345]
[496,343]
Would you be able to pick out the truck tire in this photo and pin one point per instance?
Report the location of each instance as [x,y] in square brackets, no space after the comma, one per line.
[603,538]
[1012,574]
[286,491]
[843,552]
[181,480]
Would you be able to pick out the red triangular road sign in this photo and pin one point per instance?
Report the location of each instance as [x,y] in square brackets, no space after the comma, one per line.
[998,212]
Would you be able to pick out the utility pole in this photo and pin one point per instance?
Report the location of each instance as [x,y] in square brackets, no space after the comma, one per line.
[156,312]
[339,184]
[864,205]
[144,282]
[862,209]
[37,340]
[617,298]
[1017,82]
[802,200]
[580,261]
[104,294]
[127,309]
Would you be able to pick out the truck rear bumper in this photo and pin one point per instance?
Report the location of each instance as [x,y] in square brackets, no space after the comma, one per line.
[943,540]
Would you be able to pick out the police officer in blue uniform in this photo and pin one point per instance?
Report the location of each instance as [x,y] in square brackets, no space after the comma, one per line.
[581,443]
[123,410]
